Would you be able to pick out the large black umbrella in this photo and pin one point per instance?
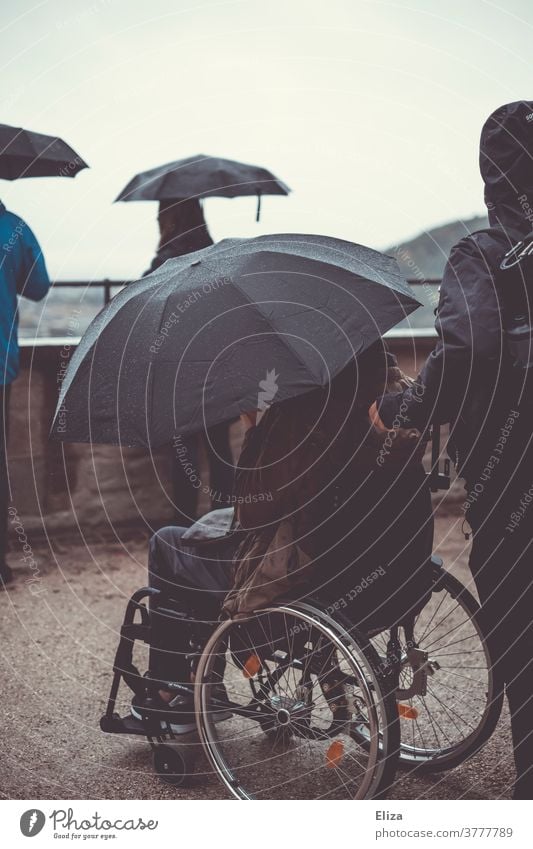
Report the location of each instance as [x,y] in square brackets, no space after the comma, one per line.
[233,327]
[24,153]
[202,176]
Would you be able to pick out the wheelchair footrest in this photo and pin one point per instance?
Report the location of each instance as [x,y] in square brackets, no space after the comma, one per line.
[122,725]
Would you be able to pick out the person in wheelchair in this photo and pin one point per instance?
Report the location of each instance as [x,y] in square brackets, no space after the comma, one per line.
[325,506]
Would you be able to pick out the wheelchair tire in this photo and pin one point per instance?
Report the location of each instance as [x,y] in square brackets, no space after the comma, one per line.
[463,702]
[275,667]
[174,764]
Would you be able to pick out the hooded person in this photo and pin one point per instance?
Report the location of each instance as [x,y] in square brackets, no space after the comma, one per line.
[470,382]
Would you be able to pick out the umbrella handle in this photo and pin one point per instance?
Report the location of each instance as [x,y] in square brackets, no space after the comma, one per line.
[258,213]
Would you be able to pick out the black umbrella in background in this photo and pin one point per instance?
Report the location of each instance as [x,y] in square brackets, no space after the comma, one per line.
[203,176]
[224,330]
[24,153]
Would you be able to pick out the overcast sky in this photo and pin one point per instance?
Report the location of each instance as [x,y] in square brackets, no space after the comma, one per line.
[370,111]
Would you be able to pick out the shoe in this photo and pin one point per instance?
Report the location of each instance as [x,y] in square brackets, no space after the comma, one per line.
[6,575]
[185,709]
[179,707]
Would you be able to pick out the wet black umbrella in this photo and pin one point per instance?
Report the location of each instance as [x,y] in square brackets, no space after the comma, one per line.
[24,153]
[203,176]
[230,328]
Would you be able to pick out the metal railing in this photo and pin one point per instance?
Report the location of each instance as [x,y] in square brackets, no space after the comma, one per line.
[107,285]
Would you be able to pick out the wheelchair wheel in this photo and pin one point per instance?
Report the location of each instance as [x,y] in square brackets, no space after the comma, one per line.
[174,764]
[448,699]
[295,681]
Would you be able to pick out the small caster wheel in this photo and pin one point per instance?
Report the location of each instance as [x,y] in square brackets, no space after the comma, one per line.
[173,764]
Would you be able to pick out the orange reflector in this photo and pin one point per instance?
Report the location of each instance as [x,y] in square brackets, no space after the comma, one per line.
[334,754]
[407,712]
[252,666]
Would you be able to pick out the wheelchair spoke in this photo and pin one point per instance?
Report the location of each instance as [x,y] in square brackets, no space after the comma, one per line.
[448,677]
[449,613]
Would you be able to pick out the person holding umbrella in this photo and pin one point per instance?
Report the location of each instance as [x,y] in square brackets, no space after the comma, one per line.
[22,273]
[480,382]
[179,187]
[183,230]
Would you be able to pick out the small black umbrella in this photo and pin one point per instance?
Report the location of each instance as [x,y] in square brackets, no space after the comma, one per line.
[233,327]
[203,176]
[24,153]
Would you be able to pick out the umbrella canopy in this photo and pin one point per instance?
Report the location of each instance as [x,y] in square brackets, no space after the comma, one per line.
[231,328]
[202,176]
[24,153]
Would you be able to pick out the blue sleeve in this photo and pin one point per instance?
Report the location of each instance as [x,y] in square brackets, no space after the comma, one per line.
[32,277]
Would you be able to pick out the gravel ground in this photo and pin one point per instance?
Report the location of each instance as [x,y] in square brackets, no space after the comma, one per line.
[58,638]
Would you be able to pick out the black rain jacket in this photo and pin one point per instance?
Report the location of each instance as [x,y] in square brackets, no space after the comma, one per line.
[468,380]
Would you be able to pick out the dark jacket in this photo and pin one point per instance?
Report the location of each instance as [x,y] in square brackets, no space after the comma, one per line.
[468,378]
[22,272]
[182,230]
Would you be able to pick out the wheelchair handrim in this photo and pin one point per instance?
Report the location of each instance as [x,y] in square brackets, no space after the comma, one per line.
[340,639]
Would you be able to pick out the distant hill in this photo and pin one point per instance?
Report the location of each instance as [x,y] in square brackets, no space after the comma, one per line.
[425,256]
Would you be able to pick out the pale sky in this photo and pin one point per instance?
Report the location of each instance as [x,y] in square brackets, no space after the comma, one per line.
[370,111]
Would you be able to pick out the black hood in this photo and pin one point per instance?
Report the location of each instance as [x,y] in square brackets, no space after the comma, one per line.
[506,164]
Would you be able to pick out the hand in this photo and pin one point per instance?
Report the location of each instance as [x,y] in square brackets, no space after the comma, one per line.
[248,420]
[401,445]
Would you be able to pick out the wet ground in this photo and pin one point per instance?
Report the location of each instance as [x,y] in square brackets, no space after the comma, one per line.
[58,635]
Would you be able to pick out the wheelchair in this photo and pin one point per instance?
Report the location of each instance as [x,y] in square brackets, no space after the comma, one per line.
[297,702]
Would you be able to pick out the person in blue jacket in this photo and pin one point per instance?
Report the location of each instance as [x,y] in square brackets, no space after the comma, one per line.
[22,272]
